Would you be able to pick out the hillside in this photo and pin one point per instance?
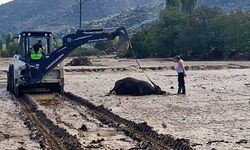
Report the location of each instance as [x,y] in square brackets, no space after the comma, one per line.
[227,5]
[59,15]
[133,19]
[62,16]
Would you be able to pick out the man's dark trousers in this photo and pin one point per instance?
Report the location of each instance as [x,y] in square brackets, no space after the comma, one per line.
[181,84]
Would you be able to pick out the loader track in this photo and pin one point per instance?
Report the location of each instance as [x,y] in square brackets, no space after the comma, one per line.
[149,139]
[49,135]
[54,137]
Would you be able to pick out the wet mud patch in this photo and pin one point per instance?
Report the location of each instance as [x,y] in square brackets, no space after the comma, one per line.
[47,100]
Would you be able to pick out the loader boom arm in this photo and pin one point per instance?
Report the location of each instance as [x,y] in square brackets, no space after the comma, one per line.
[40,69]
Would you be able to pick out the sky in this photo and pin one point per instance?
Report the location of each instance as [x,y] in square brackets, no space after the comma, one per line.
[4,1]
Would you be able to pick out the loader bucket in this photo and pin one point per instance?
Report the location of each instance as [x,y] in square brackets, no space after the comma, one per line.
[123,43]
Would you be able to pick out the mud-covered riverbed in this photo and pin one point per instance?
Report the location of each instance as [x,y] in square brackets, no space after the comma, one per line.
[214,113]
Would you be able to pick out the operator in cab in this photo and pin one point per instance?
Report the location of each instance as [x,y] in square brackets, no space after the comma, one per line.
[36,52]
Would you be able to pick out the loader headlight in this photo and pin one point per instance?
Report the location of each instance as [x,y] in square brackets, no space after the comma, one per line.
[69,40]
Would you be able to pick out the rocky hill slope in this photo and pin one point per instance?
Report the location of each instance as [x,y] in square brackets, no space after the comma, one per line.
[227,5]
[62,16]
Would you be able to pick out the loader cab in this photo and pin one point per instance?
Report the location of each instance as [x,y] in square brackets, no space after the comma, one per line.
[26,41]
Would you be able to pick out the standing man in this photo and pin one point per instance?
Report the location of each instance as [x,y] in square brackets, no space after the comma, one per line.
[181,74]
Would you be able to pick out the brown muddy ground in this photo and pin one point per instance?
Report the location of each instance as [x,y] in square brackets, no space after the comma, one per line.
[13,133]
[214,113]
[91,133]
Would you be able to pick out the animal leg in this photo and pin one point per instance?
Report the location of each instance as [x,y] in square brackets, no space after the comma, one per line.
[110,92]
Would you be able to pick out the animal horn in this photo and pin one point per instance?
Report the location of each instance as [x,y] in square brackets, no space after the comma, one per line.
[151,81]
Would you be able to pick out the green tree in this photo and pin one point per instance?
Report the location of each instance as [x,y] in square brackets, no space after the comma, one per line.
[173,3]
[187,6]
[13,47]
[202,34]
[104,45]
[141,44]
[8,40]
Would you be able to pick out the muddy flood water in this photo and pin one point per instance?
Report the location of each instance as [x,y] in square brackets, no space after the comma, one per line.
[214,114]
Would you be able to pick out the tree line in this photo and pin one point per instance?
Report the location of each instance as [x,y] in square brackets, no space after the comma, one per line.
[199,33]
[8,45]
[196,33]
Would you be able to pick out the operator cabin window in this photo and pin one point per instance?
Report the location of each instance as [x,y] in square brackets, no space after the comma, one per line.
[34,40]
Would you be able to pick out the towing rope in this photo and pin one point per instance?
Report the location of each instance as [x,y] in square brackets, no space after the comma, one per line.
[130,45]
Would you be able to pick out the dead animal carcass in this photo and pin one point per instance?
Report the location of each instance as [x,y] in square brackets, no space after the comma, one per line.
[134,87]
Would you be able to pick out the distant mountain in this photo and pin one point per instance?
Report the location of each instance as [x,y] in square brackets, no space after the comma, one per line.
[134,19]
[227,5]
[60,15]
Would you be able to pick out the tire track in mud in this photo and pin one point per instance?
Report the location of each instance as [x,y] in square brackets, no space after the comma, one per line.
[52,136]
[142,132]
[44,131]
[77,120]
